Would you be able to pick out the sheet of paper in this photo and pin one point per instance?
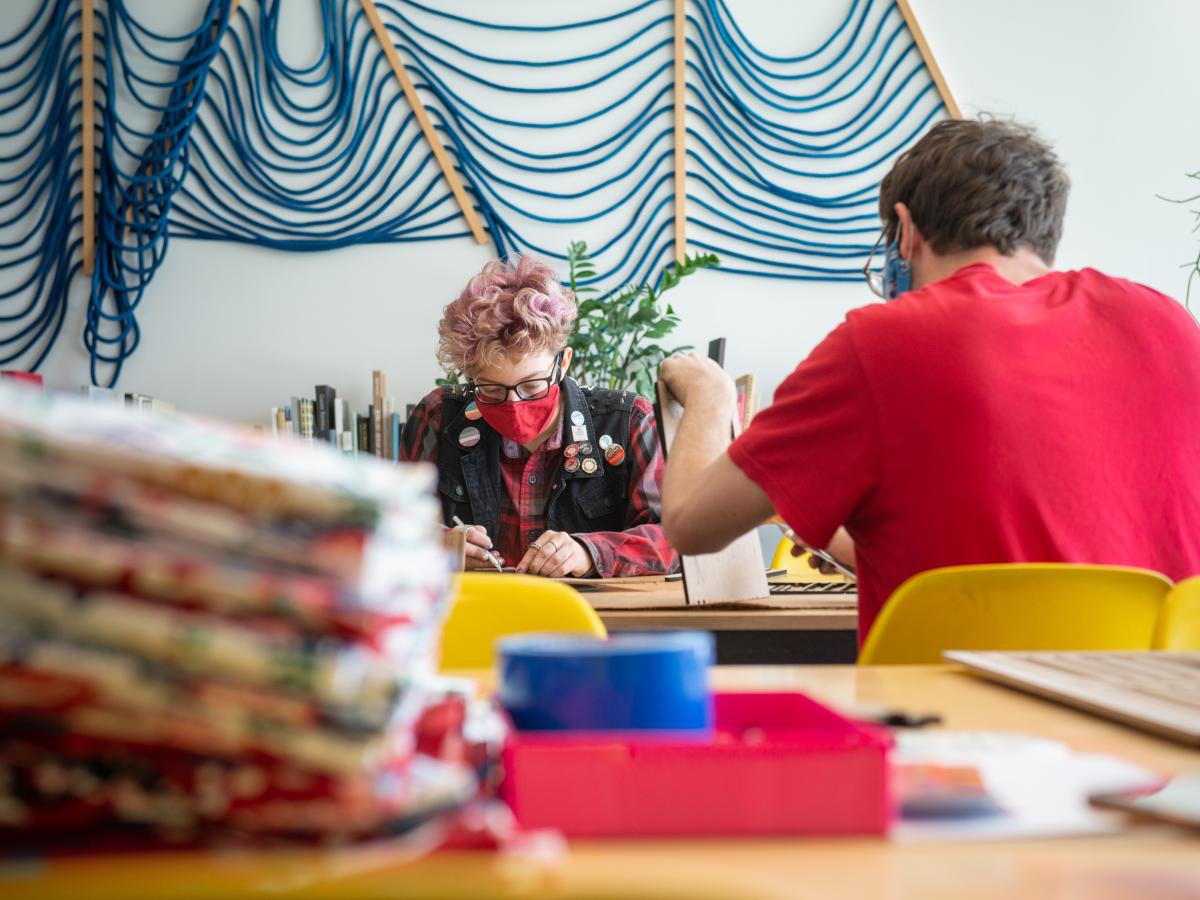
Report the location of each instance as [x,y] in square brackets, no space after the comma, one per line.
[1042,786]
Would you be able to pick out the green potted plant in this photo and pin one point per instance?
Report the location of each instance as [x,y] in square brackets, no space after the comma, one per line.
[616,343]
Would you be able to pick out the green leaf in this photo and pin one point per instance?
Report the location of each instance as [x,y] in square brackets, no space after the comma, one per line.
[615,334]
[645,315]
[661,329]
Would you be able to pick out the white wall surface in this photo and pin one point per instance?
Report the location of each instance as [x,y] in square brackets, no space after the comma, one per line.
[231,330]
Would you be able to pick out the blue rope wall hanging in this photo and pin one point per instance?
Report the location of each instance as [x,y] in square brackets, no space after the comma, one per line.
[557,130]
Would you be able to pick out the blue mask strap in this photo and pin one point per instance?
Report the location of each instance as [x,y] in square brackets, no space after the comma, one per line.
[897,273]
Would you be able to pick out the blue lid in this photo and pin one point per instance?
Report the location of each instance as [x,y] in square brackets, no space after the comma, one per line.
[653,681]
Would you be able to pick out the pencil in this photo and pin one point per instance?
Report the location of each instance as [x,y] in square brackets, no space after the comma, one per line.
[490,557]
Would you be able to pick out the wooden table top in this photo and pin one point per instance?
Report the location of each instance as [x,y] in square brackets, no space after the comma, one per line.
[659,605]
[1146,861]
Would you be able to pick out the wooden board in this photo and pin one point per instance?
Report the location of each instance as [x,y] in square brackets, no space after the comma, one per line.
[706,618]
[670,596]
[935,71]
[632,583]
[431,136]
[87,132]
[680,122]
[730,575]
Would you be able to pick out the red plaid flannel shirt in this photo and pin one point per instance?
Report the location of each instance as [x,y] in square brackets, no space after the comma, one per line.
[640,549]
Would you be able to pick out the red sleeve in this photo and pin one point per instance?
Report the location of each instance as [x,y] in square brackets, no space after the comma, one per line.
[815,450]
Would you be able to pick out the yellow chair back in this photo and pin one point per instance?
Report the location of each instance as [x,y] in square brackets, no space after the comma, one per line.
[1179,622]
[1016,606]
[798,566]
[491,606]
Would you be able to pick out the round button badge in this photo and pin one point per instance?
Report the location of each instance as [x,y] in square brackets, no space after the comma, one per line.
[468,437]
[614,455]
[589,466]
[571,451]
[472,412]
[572,464]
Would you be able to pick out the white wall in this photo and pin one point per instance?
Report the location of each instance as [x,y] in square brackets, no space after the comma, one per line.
[231,330]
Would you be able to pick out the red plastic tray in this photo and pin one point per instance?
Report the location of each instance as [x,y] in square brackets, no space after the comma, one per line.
[779,763]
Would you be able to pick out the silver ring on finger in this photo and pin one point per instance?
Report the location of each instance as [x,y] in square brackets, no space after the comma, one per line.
[555,546]
[535,546]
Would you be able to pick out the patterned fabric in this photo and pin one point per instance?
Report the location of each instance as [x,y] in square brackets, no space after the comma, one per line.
[205,632]
[527,479]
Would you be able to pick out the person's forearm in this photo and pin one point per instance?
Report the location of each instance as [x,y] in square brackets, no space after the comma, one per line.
[841,547]
[703,435]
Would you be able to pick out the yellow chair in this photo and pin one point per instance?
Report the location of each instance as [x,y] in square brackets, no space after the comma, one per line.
[490,606]
[1179,622]
[1018,606]
[798,566]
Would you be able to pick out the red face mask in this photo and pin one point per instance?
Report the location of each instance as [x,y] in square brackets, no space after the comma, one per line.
[522,420]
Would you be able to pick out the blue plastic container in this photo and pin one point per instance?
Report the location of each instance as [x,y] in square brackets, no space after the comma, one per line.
[656,681]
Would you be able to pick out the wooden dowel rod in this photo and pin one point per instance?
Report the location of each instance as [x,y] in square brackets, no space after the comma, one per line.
[680,132]
[87,136]
[418,108]
[930,63]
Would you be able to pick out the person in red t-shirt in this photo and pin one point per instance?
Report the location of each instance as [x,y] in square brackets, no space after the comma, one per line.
[996,410]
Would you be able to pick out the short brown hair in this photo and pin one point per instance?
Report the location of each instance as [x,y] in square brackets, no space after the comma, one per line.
[985,183]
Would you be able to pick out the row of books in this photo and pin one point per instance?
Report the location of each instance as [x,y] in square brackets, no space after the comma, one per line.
[94,393]
[128,399]
[328,417]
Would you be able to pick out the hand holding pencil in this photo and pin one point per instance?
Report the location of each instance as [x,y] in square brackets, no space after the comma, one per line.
[479,546]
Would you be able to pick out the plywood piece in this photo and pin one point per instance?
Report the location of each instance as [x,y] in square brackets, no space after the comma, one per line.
[431,136]
[680,100]
[87,132]
[808,618]
[935,70]
[727,576]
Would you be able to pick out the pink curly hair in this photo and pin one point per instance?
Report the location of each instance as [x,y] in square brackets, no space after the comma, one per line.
[511,309]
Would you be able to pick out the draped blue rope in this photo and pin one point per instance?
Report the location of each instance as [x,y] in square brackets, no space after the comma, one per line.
[39,93]
[351,166]
[565,136]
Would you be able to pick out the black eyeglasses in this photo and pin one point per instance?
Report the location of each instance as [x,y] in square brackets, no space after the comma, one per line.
[530,389]
[875,277]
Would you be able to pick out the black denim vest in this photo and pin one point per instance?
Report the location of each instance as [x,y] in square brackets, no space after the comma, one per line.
[469,481]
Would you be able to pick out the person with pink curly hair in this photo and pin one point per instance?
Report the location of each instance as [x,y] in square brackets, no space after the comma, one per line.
[556,478]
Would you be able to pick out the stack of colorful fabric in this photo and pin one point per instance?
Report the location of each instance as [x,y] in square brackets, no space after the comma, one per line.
[205,632]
